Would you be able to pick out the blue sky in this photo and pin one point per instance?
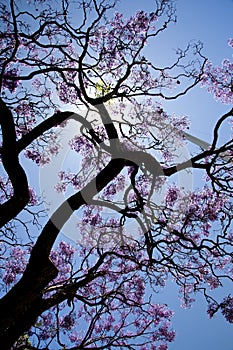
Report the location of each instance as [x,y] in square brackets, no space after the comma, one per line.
[209,21]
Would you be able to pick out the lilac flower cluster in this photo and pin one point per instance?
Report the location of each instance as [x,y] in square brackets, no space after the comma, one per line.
[66,88]
[8,83]
[62,258]
[6,189]
[33,200]
[135,27]
[212,309]
[81,145]
[115,307]
[37,157]
[205,205]
[226,307]
[67,94]
[15,265]
[26,116]
[219,80]
[68,178]
[109,39]
[172,195]
[201,207]
[230,42]
[130,319]
[68,322]
[92,216]
[115,187]
[42,154]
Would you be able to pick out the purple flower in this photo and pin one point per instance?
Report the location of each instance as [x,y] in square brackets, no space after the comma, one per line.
[212,308]
[15,265]
[68,322]
[33,197]
[81,144]
[227,308]
[172,195]
[8,79]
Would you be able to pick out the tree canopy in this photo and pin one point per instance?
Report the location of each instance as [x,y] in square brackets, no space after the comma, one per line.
[75,79]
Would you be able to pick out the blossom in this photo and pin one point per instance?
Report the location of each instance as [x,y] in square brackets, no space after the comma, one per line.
[212,308]
[218,80]
[15,265]
[37,157]
[171,195]
[227,308]
[68,322]
[9,81]
[33,197]
[81,144]
[230,42]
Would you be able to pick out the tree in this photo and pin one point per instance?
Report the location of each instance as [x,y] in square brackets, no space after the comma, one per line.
[81,65]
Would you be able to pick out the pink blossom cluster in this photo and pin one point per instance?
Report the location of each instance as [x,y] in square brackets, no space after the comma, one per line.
[131,33]
[92,216]
[205,205]
[230,42]
[192,221]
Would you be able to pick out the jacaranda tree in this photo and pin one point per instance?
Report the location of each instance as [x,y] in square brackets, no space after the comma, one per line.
[80,68]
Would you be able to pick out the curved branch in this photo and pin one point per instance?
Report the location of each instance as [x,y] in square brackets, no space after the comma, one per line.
[55,120]
[217,126]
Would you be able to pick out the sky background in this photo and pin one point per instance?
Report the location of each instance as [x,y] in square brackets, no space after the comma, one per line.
[209,21]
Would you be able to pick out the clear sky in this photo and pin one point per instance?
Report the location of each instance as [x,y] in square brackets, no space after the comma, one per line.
[210,21]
